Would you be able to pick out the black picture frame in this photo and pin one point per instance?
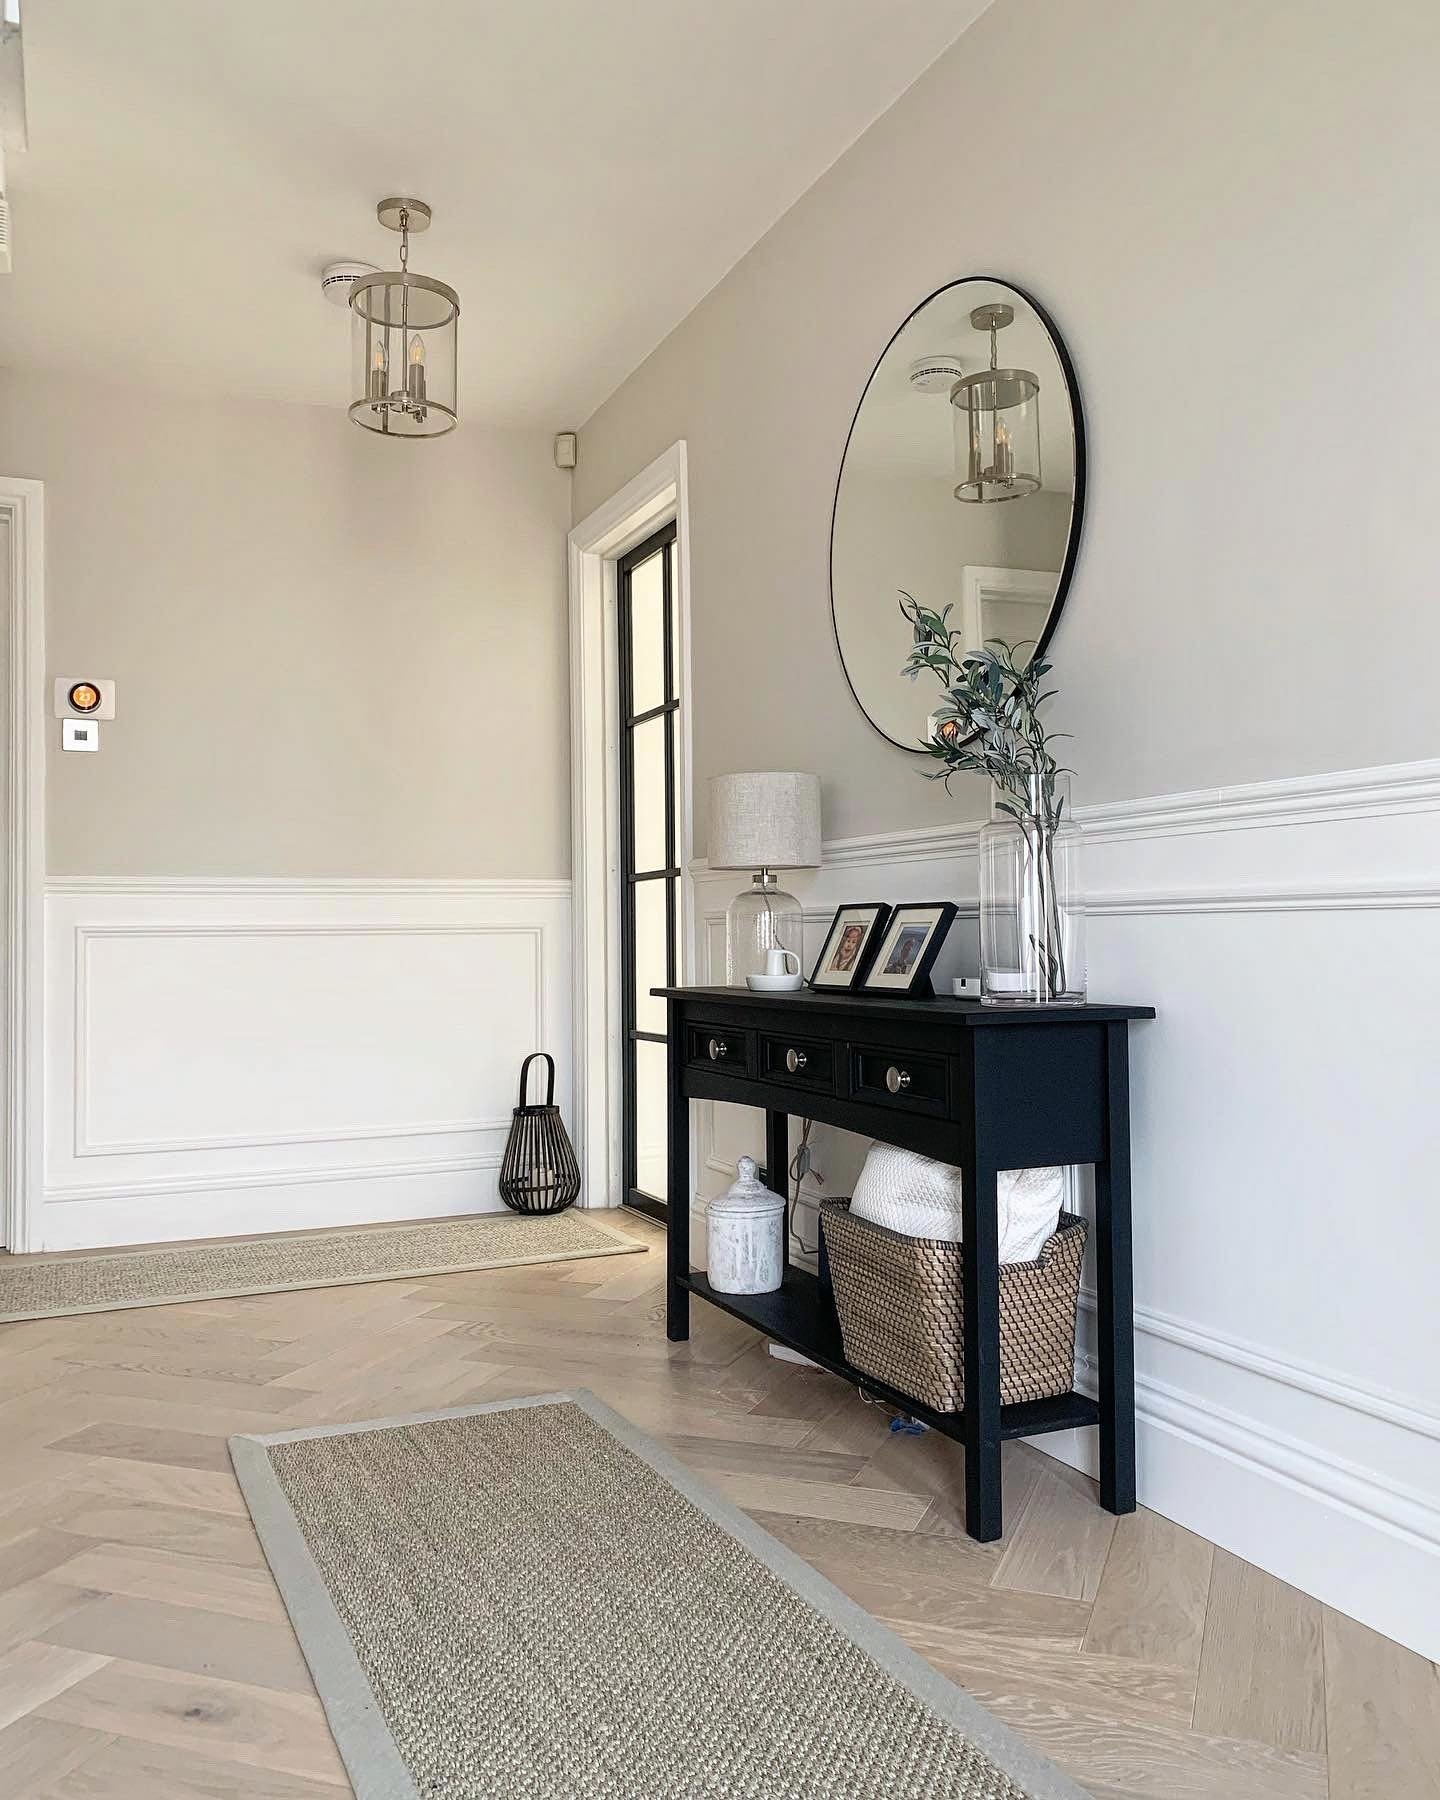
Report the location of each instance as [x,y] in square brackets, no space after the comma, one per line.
[879,911]
[939,916]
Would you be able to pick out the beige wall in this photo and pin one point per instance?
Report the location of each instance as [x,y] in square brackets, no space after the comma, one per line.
[335,656]
[1229,211]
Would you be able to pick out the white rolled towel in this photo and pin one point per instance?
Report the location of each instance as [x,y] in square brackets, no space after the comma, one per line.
[921,1198]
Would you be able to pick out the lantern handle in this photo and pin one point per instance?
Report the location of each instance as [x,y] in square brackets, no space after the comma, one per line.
[538,1056]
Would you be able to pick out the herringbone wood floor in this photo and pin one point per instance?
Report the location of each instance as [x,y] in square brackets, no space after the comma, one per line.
[144,1653]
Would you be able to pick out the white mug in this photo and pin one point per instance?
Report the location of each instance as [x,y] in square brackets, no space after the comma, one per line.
[781,962]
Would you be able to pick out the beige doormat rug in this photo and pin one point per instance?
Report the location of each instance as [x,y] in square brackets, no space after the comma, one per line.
[48,1287]
[533,1599]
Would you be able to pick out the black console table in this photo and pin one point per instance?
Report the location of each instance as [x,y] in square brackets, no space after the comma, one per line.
[987,1088]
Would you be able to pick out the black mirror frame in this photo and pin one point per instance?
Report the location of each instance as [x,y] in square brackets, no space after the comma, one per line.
[1077,511]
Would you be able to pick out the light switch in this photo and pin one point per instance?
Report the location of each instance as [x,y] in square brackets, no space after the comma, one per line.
[79,734]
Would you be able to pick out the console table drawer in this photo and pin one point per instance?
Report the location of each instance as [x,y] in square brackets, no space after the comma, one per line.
[803,1062]
[718,1047]
[898,1078]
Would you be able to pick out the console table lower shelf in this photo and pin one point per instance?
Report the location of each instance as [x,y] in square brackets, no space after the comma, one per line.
[800,1316]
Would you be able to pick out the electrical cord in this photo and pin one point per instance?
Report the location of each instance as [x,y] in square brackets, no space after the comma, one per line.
[801,1166]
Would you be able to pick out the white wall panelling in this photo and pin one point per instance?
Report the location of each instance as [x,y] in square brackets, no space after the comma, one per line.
[1286,1144]
[244,1056]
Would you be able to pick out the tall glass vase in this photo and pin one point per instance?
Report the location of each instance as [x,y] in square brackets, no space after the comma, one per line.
[1032,912]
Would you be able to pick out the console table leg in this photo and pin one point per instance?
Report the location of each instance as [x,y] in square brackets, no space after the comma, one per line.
[981,1288]
[777,1155]
[677,1195]
[1114,1287]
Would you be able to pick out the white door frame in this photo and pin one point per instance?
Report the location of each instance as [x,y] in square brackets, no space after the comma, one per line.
[979,583]
[656,495]
[22,505]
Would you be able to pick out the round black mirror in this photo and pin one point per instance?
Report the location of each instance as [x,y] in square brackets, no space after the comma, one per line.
[962,483]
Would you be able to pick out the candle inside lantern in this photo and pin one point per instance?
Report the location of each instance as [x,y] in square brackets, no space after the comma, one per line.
[378,373]
[415,372]
[1004,470]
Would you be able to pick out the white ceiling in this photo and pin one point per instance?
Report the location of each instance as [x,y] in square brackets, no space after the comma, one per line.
[595,167]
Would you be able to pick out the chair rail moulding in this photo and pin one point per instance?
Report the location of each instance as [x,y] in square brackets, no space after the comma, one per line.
[302,885]
[656,495]
[1365,797]
[22,511]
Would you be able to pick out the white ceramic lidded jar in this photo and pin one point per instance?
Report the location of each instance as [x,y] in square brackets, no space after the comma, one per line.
[745,1236]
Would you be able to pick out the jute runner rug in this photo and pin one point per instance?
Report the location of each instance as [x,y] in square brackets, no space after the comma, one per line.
[534,1601]
[45,1287]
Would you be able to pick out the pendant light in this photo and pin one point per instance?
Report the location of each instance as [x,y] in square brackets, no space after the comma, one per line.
[997,423]
[403,331]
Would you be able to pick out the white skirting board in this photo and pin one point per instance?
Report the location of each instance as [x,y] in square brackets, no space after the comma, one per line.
[1286,1144]
[1215,1475]
[229,1057]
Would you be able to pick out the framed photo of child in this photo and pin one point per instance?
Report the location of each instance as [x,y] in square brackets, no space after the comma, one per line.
[913,937]
[849,945]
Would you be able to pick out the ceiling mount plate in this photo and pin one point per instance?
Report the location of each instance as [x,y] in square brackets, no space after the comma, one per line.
[994,317]
[388,213]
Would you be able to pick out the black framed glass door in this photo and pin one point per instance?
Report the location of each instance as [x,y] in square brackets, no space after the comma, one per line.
[649,855]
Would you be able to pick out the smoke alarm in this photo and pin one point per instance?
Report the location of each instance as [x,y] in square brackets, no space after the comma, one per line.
[337,280]
[934,374]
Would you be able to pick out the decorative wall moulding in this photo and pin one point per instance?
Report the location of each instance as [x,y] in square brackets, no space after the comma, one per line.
[390,1097]
[1384,791]
[1305,1377]
[1296,800]
[304,885]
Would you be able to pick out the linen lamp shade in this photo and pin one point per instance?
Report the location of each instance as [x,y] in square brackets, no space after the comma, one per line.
[765,821]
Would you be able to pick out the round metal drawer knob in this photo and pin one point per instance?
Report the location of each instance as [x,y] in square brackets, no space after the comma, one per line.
[719,1049]
[795,1060]
[896,1079]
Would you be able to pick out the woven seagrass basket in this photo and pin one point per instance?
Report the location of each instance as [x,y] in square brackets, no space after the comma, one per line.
[902,1314]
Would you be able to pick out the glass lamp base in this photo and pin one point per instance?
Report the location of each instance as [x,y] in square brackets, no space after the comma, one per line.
[761,918]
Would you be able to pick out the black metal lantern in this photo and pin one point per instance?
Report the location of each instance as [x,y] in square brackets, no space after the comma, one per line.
[539,1173]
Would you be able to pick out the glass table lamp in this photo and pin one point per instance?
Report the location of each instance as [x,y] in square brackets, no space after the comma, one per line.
[763,822]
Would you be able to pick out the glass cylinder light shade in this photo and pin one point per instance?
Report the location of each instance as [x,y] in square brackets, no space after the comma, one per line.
[403,333]
[761,918]
[1032,907]
[997,435]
